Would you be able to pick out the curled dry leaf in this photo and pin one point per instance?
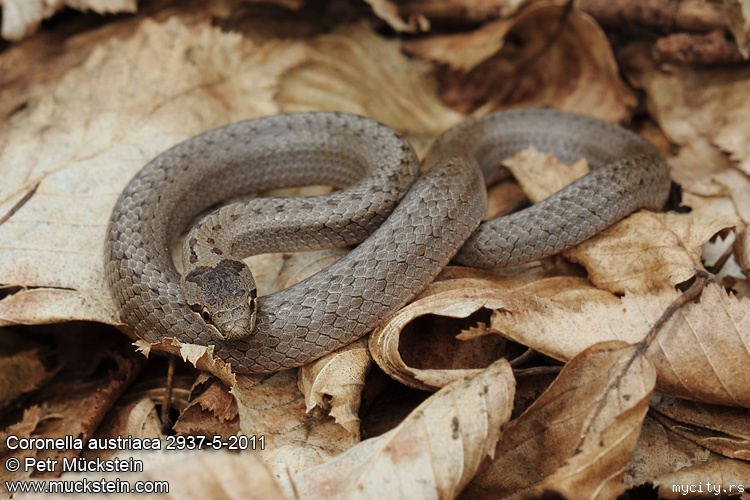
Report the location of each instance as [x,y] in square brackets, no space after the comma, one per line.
[335,383]
[418,345]
[139,419]
[738,17]
[213,412]
[294,439]
[742,246]
[699,354]
[473,11]
[541,174]
[356,71]
[695,105]
[577,438]
[189,474]
[463,302]
[21,373]
[109,133]
[433,453]
[73,403]
[672,463]
[21,17]
[647,250]
[724,430]
[550,49]
[465,51]
[388,12]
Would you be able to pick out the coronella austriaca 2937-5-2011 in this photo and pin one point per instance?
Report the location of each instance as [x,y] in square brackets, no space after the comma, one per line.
[409,230]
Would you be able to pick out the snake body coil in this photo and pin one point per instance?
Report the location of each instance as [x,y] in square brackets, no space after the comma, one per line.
[401,252]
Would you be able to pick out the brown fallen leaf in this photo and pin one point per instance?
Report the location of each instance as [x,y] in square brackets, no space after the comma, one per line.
[113,136]
[577,438]
[541,174]
[715,476]
[354,70]
[272,409]
[139,419]
[647,250]
[464,51]
[190,474]
[742,249]
[21,18]
[696,355]
[548,48]
[694,104]
[389,12]
[724,430]
[672,463]
[335,382]
[453,11]
[418,347]
[20,373]
[212,413]
[93,375]
[433,453]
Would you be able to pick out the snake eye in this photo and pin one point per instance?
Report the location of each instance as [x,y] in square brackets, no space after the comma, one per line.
[206,315]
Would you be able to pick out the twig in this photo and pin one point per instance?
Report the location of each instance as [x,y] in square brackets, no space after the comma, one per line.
[701,279]
[721,261]
[20,203]
[167,403]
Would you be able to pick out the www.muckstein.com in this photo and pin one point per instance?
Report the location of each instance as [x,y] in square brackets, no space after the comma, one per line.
[708,487]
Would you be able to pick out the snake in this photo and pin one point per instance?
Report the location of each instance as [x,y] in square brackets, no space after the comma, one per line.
[407,223]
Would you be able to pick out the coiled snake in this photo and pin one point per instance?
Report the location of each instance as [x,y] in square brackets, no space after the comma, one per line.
[409,232]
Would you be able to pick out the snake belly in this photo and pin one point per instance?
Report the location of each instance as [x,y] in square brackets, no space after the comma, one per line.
[406,243]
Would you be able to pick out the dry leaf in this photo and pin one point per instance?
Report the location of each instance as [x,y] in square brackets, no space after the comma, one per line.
[431,454]
[577,438]
[190,474]
[417,345]
[724,430]
[672,464]
[697,354]
[464,51]
[335,383]
[355,71]
[112,131]
[738,14]
[468,11]
[743,251]
[139,420]
[20,373]
[22,17]
[541,174]
[716,476]
[388,12]
[531,71]
[212,413]
[294,439]
[647,250]
[74,402]
[693,104]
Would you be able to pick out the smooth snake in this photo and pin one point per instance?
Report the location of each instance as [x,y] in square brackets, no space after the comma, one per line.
[431,219]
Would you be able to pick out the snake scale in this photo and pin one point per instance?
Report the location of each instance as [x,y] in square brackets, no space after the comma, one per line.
[407,226]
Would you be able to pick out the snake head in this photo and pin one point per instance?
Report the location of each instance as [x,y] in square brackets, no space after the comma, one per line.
[223,296]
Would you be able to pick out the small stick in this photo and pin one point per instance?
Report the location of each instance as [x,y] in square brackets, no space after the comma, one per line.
[167,403]
[701,279]
[20,203]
